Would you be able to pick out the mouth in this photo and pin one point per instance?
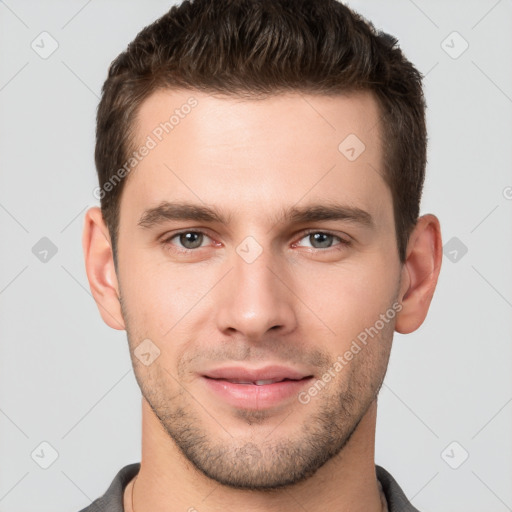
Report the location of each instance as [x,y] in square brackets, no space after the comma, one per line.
[262,382]
[256,389]
[247,375]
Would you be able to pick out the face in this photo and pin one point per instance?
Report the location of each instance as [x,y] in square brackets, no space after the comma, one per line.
[257,254]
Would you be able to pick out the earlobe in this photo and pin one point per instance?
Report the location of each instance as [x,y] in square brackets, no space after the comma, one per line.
[420,273]
[99,265]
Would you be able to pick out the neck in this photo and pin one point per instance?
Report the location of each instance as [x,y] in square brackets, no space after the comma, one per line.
[168,482]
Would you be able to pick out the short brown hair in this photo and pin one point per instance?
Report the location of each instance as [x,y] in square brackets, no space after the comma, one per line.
[263,47]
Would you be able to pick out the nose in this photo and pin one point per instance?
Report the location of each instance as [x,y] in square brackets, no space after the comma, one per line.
[256,297]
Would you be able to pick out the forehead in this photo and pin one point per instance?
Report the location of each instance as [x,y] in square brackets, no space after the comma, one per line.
[324,117]
[271,151]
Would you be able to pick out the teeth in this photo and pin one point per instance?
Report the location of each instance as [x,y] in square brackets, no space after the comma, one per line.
[256,382]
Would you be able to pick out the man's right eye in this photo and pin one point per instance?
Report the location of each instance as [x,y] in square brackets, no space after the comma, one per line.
[189,240]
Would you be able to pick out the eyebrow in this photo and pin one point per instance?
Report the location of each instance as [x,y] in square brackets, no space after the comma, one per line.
[169,211]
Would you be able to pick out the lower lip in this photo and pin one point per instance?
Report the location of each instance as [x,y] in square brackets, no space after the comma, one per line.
[252,396]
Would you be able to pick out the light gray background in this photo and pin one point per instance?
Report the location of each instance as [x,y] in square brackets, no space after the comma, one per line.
[66,378]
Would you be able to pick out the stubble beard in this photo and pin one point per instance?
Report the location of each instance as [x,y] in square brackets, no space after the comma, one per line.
[254,462]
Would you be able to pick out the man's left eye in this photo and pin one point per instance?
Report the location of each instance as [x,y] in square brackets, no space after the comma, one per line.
[323,240]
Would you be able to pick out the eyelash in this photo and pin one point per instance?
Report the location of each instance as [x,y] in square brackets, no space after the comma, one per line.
[343,243]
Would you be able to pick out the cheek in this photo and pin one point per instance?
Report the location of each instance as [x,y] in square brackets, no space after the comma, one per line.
[169,305]
[349,298]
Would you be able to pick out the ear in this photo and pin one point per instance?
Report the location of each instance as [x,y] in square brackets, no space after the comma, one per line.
[99,265]
[419,273]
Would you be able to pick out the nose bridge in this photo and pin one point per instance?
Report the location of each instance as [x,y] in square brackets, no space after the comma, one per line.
[255,298]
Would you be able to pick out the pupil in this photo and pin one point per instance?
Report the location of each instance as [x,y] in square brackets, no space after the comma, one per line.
[191,240]
[318,238]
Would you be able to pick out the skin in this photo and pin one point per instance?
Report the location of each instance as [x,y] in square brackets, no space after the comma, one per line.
[300,303]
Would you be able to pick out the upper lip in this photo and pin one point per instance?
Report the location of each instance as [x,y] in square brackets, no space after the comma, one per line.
[274,372]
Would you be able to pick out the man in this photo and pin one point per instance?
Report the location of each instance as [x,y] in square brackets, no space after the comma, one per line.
[260,167]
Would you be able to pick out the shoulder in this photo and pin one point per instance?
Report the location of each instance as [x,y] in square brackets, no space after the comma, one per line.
[112,499]
[396,498]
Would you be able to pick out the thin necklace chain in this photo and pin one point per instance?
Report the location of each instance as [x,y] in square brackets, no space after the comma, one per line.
[133,485]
